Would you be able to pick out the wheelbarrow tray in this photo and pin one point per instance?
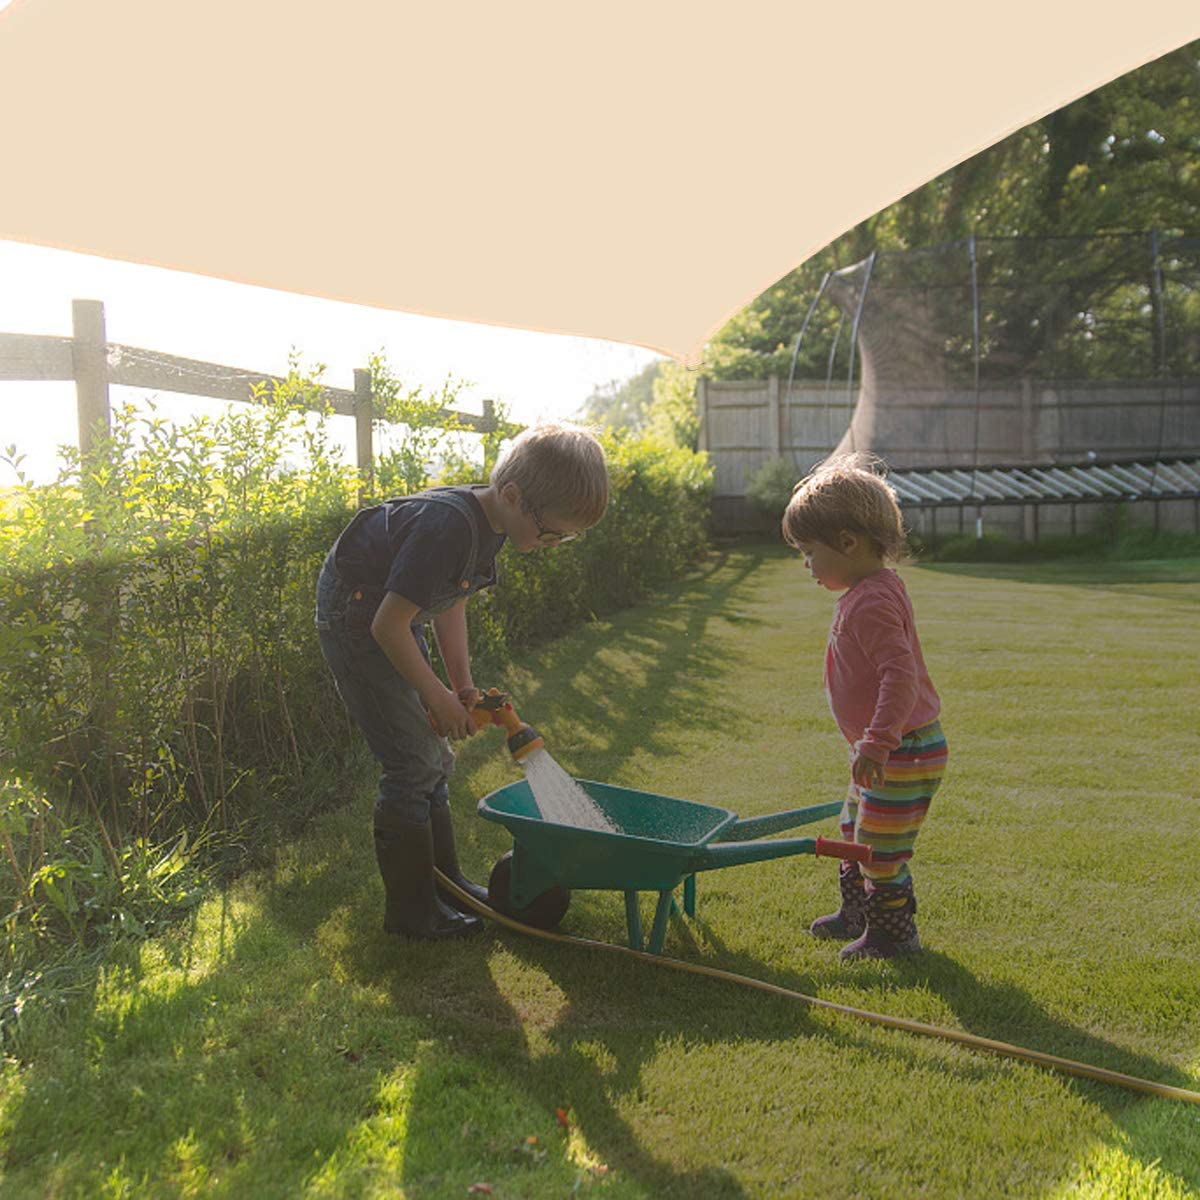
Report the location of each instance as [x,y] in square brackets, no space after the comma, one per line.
[651,846]
[654,844]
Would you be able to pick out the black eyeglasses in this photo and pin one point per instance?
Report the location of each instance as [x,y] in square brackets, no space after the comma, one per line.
[551,537]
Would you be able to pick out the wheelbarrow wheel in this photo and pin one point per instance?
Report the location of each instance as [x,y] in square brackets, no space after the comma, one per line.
[543,912]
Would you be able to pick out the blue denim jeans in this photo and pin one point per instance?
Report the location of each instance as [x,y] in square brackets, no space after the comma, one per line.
[416,762]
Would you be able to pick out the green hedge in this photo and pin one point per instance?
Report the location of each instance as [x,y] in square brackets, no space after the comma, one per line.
[1115,537]
[162,673]
[656,526]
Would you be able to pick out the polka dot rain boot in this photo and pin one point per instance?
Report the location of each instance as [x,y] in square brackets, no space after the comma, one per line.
[851,919]
[891,925]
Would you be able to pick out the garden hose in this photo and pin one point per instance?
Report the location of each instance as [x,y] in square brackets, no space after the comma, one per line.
[1052,1061]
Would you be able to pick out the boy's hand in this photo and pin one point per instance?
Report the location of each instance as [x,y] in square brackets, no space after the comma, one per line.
[468,697]
[452,718]
[866,772]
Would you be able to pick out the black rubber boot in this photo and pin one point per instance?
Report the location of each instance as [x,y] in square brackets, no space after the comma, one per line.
[445,858]
[891,926]
[413,909]
[851,919]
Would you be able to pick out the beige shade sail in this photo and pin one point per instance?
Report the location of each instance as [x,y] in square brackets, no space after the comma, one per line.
[630,171]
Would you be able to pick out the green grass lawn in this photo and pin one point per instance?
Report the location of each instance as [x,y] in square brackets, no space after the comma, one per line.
[282,1046]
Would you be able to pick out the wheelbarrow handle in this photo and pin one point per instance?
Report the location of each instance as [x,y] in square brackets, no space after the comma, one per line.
[854,851]
[749,828]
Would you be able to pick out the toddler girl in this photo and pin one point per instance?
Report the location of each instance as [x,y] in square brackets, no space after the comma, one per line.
[843,517]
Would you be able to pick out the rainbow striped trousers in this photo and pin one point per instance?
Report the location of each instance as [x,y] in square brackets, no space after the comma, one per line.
[888,817]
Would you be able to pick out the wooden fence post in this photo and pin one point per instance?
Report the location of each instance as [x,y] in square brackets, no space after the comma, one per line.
[89,356]
[774,437]
[490,449]
[702,405]
[364,411]
[89,364]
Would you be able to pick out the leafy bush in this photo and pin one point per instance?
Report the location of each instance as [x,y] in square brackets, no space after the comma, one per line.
[160,683]
[770,487]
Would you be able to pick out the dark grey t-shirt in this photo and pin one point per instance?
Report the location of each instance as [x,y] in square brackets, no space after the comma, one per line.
[417,548]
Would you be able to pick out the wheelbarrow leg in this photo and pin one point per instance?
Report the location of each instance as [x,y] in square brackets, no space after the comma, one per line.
[633,919]
[658,932]
[689,898]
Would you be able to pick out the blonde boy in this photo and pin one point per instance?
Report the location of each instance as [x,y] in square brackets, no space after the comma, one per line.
[415,559]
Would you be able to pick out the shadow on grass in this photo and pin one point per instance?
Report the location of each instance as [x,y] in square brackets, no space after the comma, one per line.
[667,639]
[486,1070]
[1004,1012]
[212,1070]
[237,1084]
[222,1076]
[542,1069]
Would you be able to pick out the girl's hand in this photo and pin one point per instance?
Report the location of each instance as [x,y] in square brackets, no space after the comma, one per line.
[866,772]
[452,718]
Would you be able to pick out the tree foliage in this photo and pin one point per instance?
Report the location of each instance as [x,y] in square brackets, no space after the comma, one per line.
[1124,158]
[623,404]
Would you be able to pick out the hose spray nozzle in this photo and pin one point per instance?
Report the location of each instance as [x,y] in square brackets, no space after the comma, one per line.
[494,708]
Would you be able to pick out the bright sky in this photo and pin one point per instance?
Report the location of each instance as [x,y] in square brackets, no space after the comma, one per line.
[538,375]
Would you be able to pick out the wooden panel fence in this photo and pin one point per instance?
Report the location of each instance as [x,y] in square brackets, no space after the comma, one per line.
[94,363]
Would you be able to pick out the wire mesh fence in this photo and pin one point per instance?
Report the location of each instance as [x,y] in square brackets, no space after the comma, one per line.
[1013,350]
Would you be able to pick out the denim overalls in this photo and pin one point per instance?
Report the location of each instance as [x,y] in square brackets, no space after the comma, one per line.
[416,761]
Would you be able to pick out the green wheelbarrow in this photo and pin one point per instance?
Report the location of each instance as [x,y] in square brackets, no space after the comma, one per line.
[654,843]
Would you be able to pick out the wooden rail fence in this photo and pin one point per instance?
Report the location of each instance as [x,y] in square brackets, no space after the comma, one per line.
[93,363]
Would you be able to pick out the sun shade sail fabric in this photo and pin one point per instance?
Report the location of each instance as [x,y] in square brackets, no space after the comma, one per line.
[629,171]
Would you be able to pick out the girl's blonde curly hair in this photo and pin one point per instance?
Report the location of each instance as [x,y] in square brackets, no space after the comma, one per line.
[848,492]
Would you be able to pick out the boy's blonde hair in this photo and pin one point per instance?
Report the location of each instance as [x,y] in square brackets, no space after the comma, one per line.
[847,492]
[560,469]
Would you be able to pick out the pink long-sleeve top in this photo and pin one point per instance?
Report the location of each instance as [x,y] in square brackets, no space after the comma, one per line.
[875,675]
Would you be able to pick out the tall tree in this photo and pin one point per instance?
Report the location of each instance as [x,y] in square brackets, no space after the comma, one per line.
[623,404]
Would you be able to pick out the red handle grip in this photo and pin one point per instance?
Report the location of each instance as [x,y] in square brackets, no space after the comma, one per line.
[854,851]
